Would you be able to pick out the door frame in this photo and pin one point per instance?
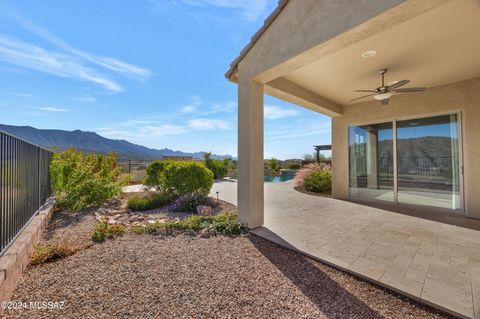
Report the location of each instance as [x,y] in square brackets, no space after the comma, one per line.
[393,120]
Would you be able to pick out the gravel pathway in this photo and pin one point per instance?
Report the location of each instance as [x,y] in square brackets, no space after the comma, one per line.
[147,276]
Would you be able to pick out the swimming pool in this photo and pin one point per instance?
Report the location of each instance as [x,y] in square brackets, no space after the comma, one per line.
[286,176]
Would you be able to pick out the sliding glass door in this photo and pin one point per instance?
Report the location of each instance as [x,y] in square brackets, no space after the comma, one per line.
[426,168]
[371,161]
[428,161]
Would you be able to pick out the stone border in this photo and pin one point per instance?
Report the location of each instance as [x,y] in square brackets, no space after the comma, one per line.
[17,256]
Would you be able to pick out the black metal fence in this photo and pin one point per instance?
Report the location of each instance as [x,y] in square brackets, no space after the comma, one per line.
[24,185]
[132,171]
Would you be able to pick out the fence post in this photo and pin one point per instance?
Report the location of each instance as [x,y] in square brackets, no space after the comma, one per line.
[38,178]
[129,170]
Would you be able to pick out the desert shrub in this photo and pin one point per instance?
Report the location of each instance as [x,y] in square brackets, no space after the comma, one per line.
[295,166]
[188,203]
[318,181]
[225,224]
[181,178]
[80,180]
[315,167]
[156,200]
[153,173]
[49,253]
[104,231]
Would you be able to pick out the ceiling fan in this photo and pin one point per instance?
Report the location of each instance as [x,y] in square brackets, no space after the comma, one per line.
[384,92]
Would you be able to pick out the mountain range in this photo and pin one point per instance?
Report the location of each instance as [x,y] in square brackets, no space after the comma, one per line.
[91,142]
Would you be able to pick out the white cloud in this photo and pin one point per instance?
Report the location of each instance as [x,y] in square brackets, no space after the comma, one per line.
[251,10]
[52,109]
[322,128]
[89,99]
[301,134]
[67,62]
[141,132]
[227,107]
[195,102]
[23,94]
[106,62]
[208,124]
[17,52]
[188,109]
[272,112]
[163,130]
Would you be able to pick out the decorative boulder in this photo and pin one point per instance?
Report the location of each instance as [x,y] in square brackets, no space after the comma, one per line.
[204,210]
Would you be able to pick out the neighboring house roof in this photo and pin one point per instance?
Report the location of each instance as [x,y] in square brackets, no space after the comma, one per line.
[268,21]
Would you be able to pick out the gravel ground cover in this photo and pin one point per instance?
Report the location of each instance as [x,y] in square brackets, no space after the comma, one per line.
[147,276]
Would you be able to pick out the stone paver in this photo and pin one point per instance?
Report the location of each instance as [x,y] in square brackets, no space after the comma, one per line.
[438,263]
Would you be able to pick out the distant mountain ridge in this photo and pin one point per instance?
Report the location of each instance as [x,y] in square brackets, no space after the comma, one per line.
[91,142]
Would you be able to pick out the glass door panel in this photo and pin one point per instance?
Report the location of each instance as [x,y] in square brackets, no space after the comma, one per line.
[428,161]
[371,162]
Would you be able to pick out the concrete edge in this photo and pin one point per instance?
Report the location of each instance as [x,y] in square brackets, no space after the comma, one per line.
[17,256]
[258,232]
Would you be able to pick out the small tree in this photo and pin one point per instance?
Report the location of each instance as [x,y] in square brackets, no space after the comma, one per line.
[153,173]
[308,157]
[218,167]
[80,180]
[273,165]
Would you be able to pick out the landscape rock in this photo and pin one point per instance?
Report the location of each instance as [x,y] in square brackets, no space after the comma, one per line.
[205,233]
[204,210]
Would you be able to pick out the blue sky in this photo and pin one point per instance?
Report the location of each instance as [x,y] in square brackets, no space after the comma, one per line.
[148,71]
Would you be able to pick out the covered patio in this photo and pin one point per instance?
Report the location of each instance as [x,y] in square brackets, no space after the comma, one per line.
[405,140]
[435,261]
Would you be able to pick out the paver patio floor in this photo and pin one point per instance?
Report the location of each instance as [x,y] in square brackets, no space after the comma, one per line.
[432,261]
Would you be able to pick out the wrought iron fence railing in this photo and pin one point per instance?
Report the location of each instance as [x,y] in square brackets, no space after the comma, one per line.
[24,185]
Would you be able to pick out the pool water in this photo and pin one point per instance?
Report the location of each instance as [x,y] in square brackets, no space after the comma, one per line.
[286,176]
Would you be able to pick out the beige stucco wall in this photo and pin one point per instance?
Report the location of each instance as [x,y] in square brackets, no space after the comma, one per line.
[462,96]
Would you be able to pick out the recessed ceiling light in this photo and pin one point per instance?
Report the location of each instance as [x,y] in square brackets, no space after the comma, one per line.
[368,54]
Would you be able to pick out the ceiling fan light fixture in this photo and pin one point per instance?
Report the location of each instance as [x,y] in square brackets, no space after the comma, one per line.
[383,96]
[368,54]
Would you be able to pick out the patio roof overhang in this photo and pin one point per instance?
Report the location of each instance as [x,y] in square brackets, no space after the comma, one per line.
[417,40]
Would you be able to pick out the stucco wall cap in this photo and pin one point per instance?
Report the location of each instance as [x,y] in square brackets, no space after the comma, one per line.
[268,21]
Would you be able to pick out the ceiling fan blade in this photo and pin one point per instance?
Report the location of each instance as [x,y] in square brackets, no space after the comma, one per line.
[373,91]
[358,98]
[406,90]
[398,84]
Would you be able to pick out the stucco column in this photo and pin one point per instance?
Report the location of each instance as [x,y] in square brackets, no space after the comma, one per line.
[250,152]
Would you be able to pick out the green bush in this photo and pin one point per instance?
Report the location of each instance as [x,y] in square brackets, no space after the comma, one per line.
[181,178]
[318,181]
[156,200]
[106,231]
[225,224]
[154,173]
[80,180]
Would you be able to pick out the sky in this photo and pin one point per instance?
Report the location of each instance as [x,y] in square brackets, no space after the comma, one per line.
[147,71]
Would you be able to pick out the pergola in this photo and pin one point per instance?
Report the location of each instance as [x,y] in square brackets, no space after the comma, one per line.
[319,148]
